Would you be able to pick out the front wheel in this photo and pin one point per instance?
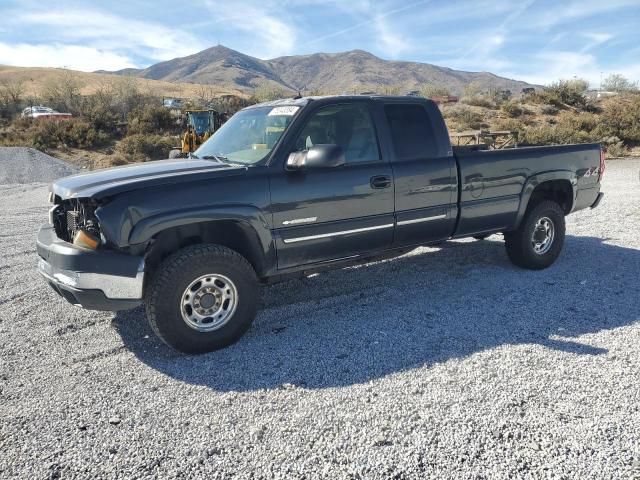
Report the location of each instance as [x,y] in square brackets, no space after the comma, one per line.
[539,239]
[202,298]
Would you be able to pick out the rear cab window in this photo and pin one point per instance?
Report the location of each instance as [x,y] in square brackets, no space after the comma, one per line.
[412,133]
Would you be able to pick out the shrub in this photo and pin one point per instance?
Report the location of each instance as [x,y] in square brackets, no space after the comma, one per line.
[429,91]
[151,119]
[617,150]
[564,93]
[117,160]
[140,147]
[465,118]
[512,109]
[621,118]
[266,93]
[478,101]
[48,134]
[549,110]
[554,134]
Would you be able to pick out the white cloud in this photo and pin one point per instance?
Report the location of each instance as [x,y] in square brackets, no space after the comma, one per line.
[570,11]
[547,67]
[598,38]
[389,41]
[272,34]
[105,31]
[69,56]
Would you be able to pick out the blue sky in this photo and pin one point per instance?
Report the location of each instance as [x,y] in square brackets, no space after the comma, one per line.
[534,40]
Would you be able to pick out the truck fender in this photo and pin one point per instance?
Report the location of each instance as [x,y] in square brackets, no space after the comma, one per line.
[250,216]
[533,181]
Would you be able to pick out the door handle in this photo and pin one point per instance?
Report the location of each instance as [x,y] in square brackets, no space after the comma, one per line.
[380,181]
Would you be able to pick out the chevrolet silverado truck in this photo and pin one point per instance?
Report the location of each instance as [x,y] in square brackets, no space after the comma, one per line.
[291,187]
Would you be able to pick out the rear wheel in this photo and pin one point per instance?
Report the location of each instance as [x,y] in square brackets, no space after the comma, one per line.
[539,239]
[202,298]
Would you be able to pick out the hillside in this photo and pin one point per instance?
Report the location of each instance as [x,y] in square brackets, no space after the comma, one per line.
[360,71]
[34,79]
[353,71]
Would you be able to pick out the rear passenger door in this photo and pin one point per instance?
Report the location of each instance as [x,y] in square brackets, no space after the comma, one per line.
[424,172]
[334,213]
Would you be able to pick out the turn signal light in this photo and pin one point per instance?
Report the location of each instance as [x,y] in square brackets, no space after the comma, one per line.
[84,239]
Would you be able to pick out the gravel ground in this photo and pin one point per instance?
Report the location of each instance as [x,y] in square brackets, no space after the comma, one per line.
[26,165]
[445,363]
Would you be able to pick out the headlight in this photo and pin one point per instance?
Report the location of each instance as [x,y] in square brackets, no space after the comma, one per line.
[84,239]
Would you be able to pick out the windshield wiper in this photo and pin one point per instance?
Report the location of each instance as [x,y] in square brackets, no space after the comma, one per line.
[221,159]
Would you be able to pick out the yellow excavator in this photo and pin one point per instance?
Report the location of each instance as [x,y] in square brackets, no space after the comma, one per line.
[200,125]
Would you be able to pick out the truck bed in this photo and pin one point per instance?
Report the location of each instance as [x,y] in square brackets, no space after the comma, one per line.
[493,183]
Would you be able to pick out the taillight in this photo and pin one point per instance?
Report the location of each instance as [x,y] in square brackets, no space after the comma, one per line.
[602,165]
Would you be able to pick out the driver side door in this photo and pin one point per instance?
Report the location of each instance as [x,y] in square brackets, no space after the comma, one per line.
[334,213]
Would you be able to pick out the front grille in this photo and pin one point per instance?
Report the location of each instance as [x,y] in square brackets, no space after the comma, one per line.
[73,215]
[73,223]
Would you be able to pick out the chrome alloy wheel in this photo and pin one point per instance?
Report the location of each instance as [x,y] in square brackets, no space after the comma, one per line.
[543,235]
[209,302]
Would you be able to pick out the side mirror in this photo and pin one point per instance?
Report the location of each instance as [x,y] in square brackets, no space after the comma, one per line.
[318,156]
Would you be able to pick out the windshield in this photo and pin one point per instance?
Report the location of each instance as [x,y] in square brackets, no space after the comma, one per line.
[249,135]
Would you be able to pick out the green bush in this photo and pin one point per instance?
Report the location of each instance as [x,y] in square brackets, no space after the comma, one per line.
[151,119]
[140,147]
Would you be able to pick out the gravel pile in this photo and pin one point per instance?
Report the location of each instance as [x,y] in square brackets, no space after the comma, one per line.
[28,165]
[448,362]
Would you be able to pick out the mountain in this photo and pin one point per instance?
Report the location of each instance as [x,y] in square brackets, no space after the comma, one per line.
[354,71]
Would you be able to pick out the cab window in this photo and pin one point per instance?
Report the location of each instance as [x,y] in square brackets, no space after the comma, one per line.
[349,126]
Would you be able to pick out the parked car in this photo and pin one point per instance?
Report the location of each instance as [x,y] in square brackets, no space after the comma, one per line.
[39,111]
[292,187]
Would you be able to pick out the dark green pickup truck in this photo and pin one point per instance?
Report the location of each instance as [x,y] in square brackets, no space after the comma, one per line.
[291,187]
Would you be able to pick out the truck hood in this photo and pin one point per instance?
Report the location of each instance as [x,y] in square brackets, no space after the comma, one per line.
[111,181]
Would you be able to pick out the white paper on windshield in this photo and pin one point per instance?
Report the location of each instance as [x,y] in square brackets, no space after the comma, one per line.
[287,110]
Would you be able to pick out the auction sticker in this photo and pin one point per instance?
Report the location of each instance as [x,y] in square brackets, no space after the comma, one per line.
[286,110]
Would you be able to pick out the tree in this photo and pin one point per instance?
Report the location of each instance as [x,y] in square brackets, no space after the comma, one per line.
[618,83]
[205,96]
[11,92]
[63,92]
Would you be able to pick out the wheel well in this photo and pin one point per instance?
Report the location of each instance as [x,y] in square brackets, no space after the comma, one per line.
[559,191]
[229,233]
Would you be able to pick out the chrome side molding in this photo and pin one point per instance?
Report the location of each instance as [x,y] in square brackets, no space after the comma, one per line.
[423,219]
[335,234]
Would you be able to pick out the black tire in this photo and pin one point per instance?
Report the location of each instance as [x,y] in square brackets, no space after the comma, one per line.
[519,243]
[164,296]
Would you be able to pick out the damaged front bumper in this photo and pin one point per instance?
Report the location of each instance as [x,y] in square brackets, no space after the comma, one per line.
[93,279]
